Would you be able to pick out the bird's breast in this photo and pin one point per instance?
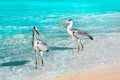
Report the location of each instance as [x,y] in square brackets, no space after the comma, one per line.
[70,32]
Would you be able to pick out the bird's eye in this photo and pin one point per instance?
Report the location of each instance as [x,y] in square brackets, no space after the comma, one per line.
[69,19]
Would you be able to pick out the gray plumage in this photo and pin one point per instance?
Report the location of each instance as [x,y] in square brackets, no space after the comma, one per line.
[38,44]
[80,34]
[41,46]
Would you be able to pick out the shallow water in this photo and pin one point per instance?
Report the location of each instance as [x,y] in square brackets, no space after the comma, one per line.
[17,18]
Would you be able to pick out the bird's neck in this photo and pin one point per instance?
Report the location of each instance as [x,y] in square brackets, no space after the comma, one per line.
[33,36]
[69,28]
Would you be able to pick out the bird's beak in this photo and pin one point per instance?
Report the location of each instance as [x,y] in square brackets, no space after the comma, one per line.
[37,32]
[64,22]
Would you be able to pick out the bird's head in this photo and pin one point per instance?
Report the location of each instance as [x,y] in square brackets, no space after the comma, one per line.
[67,21]
[36,30]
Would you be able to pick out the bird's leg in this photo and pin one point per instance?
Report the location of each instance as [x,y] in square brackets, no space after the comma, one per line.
[36,62]
[42,61]
[82,45]
[78,45]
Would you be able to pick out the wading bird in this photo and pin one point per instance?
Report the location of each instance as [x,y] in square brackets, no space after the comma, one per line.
[39,46]
[78,34]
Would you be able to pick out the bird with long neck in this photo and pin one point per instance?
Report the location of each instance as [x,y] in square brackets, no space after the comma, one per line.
[39,46]
[78,34]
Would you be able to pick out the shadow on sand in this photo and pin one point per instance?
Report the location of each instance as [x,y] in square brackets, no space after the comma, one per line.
[15,63]
[60,48]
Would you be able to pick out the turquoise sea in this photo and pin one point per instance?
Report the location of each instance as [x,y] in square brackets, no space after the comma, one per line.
[101,19]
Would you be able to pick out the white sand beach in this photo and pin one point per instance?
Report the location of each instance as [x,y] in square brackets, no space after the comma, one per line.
[109,73]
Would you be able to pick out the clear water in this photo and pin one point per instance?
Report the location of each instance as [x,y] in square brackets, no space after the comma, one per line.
[17,18]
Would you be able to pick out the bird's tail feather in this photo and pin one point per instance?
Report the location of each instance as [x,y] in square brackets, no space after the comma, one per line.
[90,37]
[47,50]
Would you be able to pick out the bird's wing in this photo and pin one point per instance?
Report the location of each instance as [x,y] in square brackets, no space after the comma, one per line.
[79,34]
[42,46]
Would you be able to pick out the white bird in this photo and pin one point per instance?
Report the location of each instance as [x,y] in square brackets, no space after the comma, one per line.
[78,34]
[39,46]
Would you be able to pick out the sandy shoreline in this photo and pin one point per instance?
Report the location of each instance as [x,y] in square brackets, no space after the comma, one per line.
[107,73]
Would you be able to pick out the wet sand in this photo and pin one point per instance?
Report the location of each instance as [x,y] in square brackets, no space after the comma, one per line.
[106,73]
